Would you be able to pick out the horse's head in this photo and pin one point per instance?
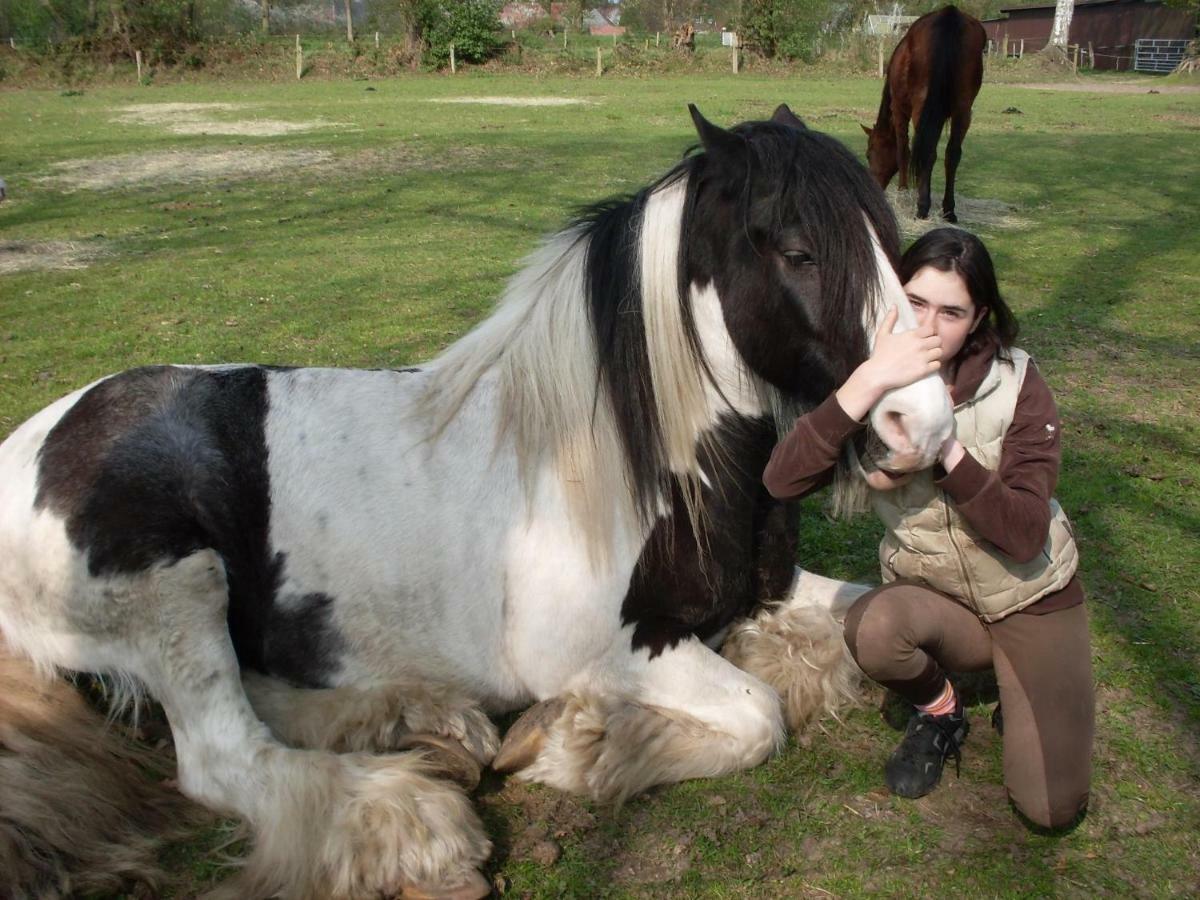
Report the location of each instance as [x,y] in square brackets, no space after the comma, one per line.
[800,245]
[882,159]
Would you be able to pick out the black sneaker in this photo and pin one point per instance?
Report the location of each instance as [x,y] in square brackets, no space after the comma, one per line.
[915,767]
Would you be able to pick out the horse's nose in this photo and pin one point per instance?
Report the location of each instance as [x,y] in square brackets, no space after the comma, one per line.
[896,434]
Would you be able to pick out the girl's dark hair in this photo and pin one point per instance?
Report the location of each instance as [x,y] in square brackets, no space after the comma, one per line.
[959,251]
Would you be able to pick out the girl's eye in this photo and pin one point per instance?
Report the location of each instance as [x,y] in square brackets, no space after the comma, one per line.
[798,258]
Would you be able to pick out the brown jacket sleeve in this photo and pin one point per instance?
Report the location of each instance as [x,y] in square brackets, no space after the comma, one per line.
[1011,506]
[805,459]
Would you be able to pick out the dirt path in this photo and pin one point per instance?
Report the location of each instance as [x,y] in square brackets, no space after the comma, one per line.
[1113,87]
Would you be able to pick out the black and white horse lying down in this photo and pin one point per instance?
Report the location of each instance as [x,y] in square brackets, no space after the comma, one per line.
[307,567]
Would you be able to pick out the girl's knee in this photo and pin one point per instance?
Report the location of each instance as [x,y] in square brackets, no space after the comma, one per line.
[872,632]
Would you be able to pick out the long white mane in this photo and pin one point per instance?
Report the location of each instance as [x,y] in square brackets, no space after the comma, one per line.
[539,347]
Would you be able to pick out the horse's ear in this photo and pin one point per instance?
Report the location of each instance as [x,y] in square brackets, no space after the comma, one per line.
[866,129]
[713,138]
[783,115]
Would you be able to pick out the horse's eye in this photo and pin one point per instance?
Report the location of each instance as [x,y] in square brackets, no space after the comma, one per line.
[798,258]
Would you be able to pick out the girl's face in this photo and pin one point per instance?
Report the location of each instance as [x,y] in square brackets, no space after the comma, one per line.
[941,301]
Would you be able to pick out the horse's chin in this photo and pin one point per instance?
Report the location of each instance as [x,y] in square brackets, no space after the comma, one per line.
[899,463]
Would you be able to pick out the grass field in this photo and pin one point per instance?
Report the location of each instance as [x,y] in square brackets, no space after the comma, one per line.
[366,224]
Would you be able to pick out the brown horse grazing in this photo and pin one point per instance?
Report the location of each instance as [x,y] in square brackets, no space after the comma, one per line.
[933,75]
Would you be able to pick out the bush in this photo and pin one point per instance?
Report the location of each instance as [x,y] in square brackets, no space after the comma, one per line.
[472,26]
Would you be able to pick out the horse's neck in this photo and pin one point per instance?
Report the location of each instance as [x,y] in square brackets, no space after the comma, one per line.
[883,121]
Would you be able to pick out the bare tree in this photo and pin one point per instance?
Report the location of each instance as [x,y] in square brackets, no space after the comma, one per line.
[349,22]
[266,16]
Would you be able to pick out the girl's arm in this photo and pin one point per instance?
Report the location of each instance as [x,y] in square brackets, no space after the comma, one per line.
[1011,506]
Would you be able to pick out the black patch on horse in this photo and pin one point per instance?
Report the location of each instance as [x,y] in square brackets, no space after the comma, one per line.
[745,554]
[300,642]
[156,463]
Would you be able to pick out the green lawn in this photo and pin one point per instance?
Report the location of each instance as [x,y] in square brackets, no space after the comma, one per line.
[379,238]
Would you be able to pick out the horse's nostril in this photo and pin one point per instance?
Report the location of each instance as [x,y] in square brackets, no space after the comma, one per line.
[896,425]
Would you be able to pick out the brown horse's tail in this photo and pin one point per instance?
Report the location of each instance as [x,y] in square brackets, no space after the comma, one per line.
[949,30]
[81,811]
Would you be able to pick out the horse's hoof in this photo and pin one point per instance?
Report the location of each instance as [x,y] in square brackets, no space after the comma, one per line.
[523,742]
[950,217]
[450,759]
[475,887]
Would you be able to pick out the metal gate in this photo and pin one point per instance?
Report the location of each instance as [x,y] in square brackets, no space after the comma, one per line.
[1159,55]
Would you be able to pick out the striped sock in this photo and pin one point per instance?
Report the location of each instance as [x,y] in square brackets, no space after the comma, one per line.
[943,704]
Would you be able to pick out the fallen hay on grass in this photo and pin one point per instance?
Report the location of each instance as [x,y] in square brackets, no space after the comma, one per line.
[198,118]
[972,213]
[515,101]
[178,167]
[26,256]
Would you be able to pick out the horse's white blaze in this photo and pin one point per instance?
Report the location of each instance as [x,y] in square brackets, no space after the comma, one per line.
[912,421]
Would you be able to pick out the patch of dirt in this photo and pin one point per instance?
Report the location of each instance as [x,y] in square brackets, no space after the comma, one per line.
[177,167]
[1189,119]
[198,118]
[1111,87]
[516,101]
[972,212]
[857,113]
[24,256]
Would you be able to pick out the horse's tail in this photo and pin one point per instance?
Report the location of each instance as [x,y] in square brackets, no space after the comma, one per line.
[82,810]
[948,30]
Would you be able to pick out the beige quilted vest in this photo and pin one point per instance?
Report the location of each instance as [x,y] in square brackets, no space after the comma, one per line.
[928,540]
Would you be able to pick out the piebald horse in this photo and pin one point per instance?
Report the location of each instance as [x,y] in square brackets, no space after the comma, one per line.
[311,569]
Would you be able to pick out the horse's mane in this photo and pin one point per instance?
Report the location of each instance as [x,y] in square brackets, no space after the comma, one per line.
[593,354]
[580,316]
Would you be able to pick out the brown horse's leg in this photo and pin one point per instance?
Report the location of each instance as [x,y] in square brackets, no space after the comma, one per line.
[924,177]
[901,130]
[958,131]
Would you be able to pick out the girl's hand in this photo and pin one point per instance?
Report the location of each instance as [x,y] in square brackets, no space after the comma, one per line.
[900,359]
[897,360]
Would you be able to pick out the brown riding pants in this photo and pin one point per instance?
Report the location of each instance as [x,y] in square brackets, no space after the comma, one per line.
[906,636]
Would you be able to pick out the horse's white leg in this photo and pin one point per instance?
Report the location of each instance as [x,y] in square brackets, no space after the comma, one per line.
[453,731]
[797,647]
[374,718]
[633,722]
[325,825]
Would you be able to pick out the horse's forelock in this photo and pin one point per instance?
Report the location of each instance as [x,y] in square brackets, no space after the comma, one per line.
[814,182]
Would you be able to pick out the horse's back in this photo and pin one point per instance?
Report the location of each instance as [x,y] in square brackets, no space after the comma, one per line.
[355,546]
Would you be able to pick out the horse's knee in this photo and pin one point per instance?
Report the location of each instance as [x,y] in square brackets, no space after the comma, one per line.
[762,731]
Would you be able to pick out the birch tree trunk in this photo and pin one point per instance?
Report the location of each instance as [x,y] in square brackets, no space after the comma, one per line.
[266,16]
[349,23]
[1063,11]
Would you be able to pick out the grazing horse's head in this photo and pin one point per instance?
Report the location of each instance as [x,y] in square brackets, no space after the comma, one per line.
[800,244]
[882,157]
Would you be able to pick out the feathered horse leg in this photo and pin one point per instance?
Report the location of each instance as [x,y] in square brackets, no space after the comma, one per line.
[796,646]
[637,721]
